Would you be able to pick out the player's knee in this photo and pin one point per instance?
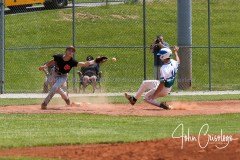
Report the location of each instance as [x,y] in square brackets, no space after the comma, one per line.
[144,84]
[54,88]
[93,79]
[85,78]
[148,83]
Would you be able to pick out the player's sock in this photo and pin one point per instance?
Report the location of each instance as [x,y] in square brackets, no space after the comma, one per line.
[67,101]
[43,106]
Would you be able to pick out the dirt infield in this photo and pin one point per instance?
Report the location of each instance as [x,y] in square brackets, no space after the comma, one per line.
[143,109]
[150,150]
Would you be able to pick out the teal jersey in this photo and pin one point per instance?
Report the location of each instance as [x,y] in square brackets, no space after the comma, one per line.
[168,73]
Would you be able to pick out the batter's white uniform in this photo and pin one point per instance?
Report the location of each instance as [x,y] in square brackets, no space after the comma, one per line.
[168,74]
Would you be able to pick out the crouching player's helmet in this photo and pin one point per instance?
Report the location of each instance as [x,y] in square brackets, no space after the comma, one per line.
[165,53]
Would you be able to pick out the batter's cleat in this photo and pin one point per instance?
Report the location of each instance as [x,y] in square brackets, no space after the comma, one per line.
[43,106]
[67,101]
[131,99]
[164,105]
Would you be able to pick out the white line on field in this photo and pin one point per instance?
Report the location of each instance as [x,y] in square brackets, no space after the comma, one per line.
[182,93]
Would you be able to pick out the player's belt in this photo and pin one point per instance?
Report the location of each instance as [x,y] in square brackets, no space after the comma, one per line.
[59,73]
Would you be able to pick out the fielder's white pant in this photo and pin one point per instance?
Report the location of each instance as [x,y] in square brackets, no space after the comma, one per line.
[151,86]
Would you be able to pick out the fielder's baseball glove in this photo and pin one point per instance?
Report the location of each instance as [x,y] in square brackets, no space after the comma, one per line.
[101,59]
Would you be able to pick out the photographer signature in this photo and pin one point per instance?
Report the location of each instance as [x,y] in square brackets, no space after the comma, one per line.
[203,132]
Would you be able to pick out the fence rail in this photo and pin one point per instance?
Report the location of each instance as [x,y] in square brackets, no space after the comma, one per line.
[122,30]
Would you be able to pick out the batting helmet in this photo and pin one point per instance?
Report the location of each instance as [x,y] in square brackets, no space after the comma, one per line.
[71,48]
[165,53]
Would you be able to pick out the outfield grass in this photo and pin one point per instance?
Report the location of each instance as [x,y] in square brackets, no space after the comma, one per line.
[121,25]
[18,130]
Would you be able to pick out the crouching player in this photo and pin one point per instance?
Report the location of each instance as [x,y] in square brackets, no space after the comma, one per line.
[162,87]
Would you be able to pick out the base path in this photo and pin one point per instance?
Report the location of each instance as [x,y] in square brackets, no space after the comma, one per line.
[142,109]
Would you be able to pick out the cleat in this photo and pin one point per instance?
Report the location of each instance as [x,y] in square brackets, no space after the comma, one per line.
[164,105]
[131,99]
[43,106]
[67,101]
[170,107]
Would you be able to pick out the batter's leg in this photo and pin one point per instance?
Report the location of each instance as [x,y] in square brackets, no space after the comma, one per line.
[146,85]
[154,102]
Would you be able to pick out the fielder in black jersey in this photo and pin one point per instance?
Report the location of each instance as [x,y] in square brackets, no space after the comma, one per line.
[63,65]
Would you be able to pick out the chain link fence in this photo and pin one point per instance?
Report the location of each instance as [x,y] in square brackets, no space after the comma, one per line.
[33,33]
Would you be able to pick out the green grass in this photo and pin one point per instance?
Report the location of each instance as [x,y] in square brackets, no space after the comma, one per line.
[121,25]
[18,130]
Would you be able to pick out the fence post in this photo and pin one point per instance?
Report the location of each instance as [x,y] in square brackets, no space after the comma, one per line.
[209,47]
[73,42]
[2,47]
[144,39]
[184,31]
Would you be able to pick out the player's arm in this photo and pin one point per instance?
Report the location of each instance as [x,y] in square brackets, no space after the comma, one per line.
[98,60]
[175,51]
[152,46]
[50,63]
[161,45]
[85,64]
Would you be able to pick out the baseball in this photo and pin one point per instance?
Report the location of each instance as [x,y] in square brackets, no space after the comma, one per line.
[114,59]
